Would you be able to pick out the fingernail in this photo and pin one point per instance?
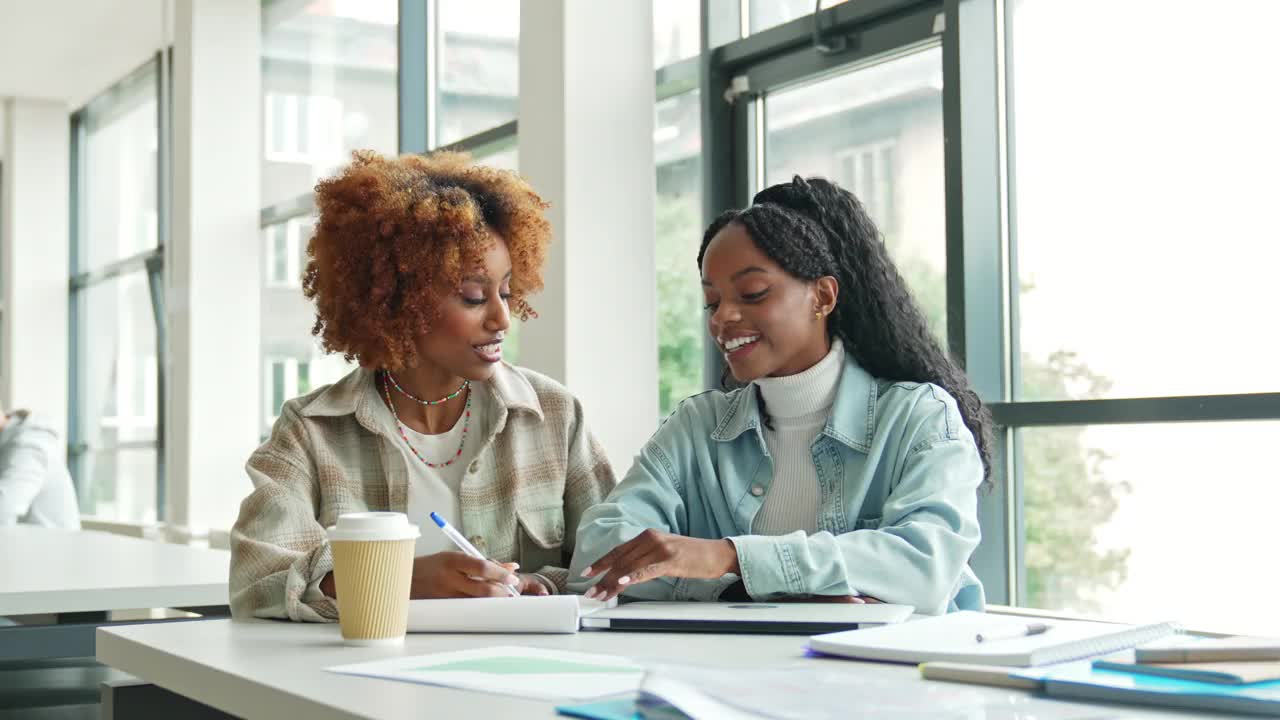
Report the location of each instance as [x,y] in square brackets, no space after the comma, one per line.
[624,579]
[513,580]
[586,571]
[590,594]
[514,566]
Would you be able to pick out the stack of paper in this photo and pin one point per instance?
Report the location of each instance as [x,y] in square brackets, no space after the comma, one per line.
[525,614]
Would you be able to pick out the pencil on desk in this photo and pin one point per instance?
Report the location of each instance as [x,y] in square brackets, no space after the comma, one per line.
[976,675]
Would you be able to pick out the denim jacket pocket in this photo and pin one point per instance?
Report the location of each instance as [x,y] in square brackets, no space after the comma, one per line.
[541,537]
[867,523]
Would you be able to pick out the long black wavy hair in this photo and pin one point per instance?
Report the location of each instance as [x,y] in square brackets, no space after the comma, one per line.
[814,228]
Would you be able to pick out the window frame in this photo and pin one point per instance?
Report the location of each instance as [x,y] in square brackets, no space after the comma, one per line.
[147,263]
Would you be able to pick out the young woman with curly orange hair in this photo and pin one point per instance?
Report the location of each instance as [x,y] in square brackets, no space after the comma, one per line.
[417,264]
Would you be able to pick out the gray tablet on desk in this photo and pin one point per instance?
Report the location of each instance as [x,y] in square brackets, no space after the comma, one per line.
[745,617]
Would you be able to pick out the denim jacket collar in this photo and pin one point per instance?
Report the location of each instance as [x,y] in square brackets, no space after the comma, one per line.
[852,420]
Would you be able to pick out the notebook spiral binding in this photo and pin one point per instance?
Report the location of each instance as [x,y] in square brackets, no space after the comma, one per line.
[1101,645]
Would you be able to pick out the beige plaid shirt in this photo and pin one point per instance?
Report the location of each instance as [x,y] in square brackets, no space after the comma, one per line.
[537,470]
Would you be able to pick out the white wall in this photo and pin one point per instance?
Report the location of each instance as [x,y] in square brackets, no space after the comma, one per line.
[34,257]
[213,261]
[586,144]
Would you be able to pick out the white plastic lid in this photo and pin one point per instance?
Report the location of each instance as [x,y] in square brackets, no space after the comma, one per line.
[373,526]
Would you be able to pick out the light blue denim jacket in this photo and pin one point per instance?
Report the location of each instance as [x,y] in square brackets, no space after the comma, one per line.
[898,517]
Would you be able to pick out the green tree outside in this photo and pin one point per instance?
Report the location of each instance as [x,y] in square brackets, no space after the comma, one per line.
[681,330]
[1066,496]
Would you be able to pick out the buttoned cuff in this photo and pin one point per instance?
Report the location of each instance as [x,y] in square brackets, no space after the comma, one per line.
[768,566]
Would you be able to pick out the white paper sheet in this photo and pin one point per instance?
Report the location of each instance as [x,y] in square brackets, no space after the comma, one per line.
[525,614]
[519,671]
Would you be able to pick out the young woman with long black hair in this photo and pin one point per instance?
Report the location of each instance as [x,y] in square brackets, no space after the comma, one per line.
[846,466]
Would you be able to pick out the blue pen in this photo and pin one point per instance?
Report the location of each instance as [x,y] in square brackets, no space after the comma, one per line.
[463,545]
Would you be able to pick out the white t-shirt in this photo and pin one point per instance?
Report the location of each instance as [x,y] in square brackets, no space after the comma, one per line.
[436,489]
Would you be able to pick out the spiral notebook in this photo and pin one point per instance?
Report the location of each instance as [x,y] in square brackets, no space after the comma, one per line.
[953,637]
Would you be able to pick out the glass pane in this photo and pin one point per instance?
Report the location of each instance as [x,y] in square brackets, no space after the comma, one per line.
[1146,240]
[681,327]
[329,87]
[119,391]
[503,154]
[120,166]
[292,361]
[277,386]
[676,26]
[479,73]
[876,131]
[1121,519]
[119,485]
[767,13]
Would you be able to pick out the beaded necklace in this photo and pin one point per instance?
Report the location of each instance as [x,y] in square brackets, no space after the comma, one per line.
[465,384]
[386,390]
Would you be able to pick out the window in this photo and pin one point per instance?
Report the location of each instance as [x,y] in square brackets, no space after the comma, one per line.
[678,209]
[329,87]
[115,372]
[877,131]
[285,252]
[1143,246]
[292,362]
[478,74]
[1175,242]
[1121,518]
[765,14]
[867,172]
[676,26]
[303,129]
[288,377]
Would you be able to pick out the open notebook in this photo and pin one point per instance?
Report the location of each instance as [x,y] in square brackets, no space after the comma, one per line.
[953,637]
[525,614]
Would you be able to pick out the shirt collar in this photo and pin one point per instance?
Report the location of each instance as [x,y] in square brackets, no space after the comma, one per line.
[852,419]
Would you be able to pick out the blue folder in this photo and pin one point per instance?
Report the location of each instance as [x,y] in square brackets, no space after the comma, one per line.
[1085,682]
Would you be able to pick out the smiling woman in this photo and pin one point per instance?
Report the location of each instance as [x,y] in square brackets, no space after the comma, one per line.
[416,266]
[845,470]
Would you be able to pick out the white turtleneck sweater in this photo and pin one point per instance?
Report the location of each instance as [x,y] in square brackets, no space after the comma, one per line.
[798,406]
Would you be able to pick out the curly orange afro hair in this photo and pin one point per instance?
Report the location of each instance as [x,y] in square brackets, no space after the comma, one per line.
[395,234]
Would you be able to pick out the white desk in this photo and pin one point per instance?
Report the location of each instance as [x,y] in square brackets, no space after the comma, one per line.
[43,570]
[49,571]
[276,669]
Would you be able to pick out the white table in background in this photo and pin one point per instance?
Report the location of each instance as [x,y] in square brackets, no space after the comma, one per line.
[269,669]
[62,572]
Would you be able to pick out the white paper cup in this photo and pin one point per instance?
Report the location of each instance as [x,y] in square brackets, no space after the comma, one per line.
[372,567]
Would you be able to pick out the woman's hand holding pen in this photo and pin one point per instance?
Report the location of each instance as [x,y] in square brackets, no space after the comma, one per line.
[455,574]
[653,554]
[529,585]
